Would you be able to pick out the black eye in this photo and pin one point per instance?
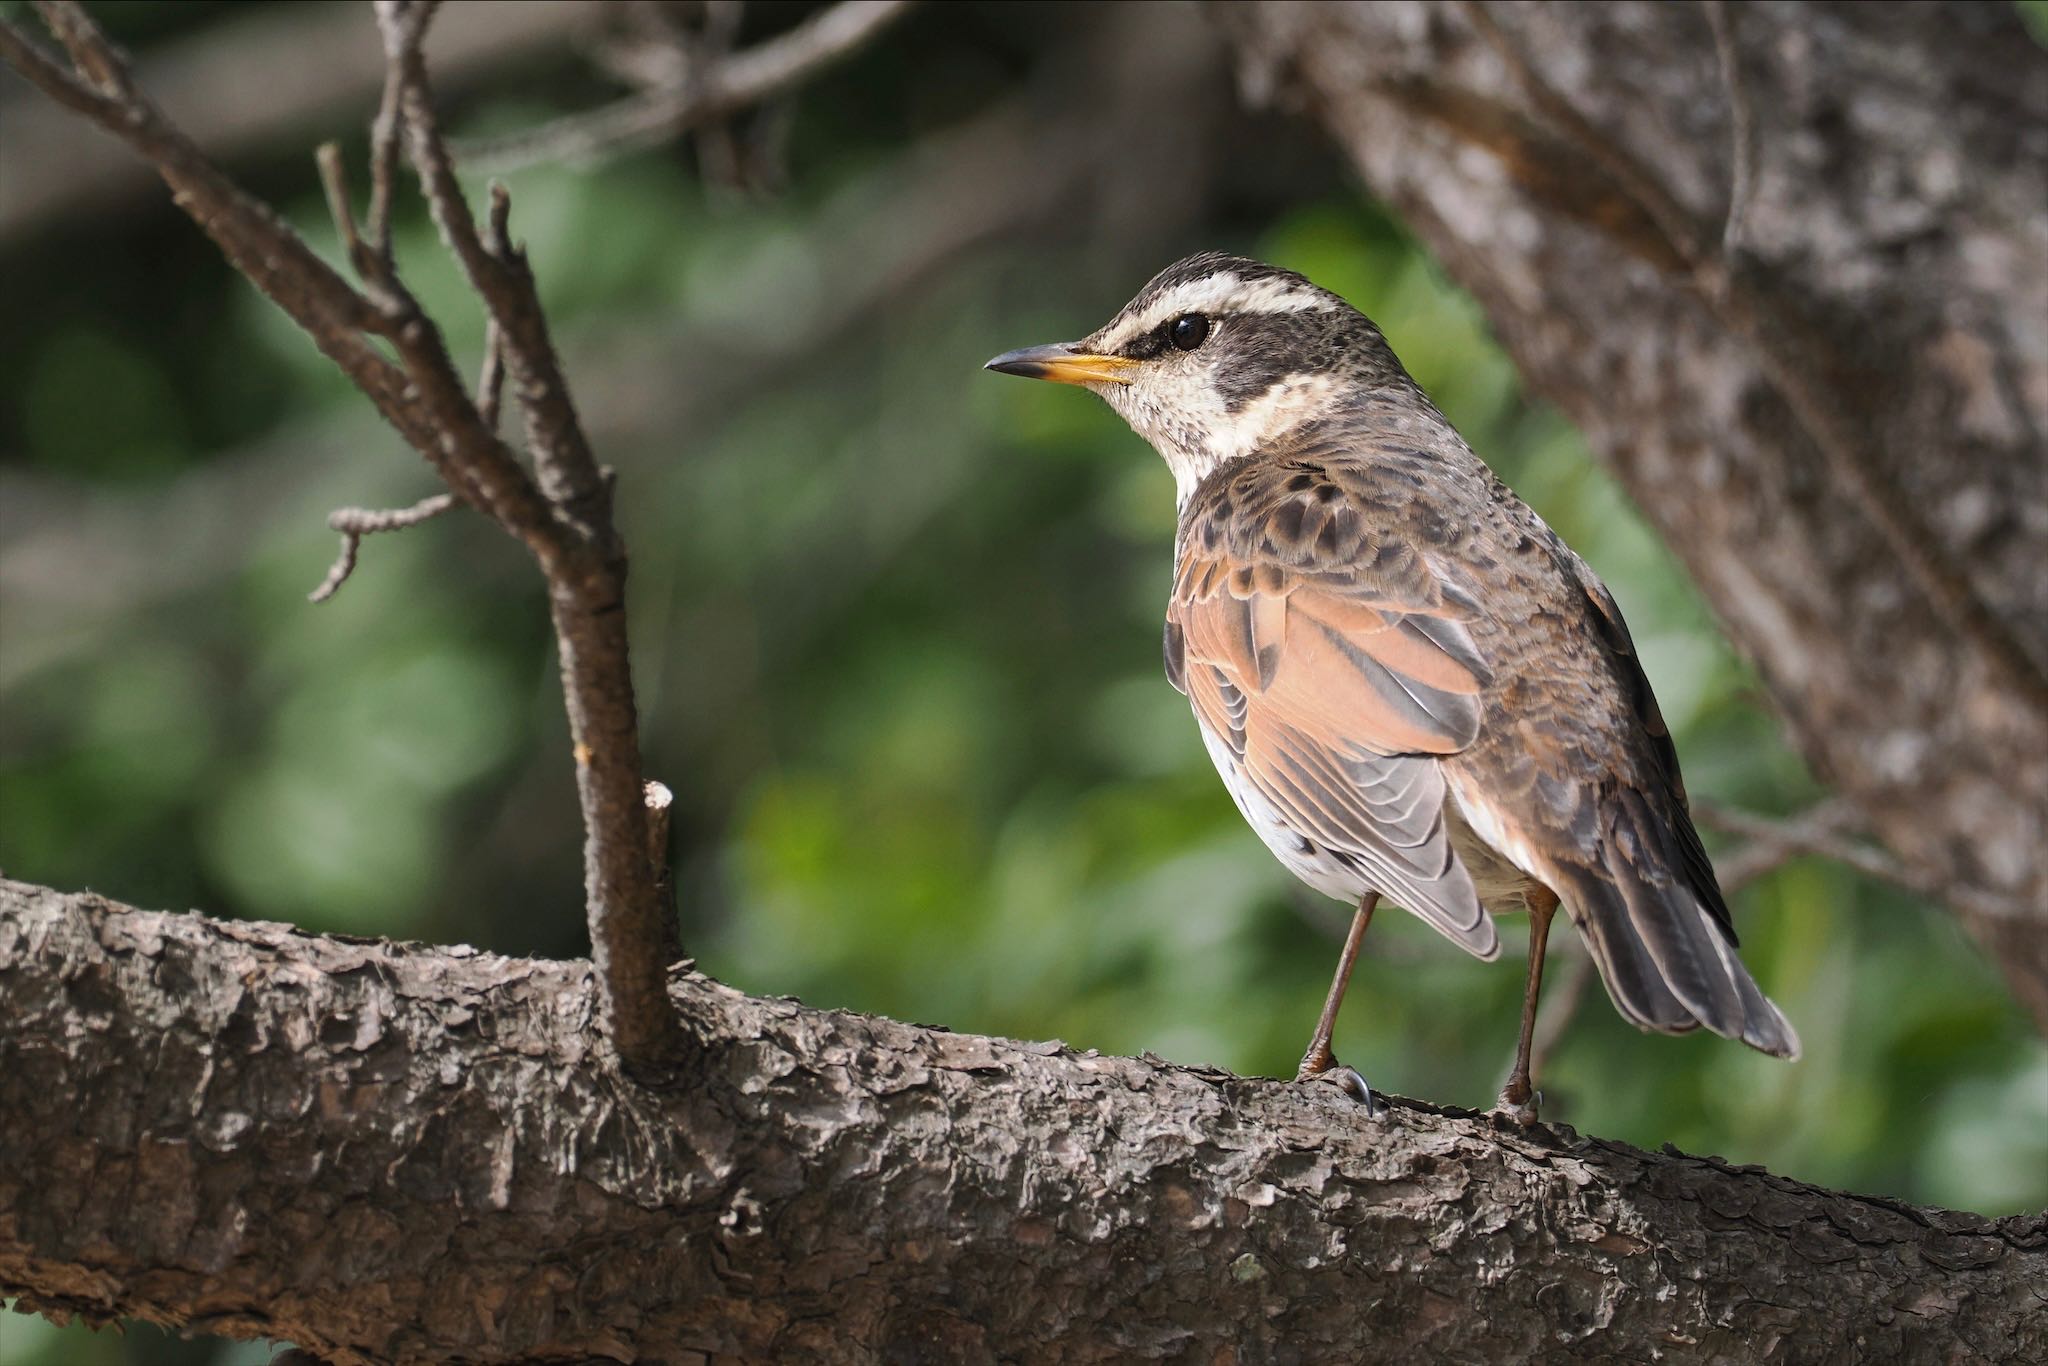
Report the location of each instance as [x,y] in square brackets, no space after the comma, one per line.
[1189,331]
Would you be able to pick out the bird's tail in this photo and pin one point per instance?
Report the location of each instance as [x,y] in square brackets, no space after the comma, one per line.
[1648,913]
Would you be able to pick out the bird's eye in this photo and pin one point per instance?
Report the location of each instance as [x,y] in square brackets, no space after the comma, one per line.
[1188,331]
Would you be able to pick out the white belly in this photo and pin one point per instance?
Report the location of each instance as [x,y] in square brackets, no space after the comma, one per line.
[1305,858]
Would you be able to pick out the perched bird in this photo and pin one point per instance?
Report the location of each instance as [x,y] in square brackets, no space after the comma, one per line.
[1411,686]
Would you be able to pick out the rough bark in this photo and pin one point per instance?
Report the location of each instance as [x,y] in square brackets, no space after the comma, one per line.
[390,1152]
[1786,266]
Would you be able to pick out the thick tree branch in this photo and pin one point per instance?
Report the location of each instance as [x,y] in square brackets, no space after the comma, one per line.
[395,1153]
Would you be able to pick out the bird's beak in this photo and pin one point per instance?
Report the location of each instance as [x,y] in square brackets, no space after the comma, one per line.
[1063,364]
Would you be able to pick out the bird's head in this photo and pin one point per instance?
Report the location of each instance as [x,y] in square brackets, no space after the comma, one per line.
[1219,355]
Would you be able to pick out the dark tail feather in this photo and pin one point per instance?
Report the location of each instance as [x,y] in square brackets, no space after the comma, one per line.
[1666,959]
[1634,981]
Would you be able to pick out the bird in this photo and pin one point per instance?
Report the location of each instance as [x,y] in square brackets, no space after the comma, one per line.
[1411,686]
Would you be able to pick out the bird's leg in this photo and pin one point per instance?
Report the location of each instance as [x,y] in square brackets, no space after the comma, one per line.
[1320,1060]
[1518,1098]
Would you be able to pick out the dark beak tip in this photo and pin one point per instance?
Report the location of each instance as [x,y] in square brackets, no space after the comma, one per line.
[1021,363]
[1027,362]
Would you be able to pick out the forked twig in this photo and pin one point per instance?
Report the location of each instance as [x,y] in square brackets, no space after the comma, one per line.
[356,523]
[563,517]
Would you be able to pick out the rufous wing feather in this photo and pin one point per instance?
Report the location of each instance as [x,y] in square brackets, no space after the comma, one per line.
[1335,697]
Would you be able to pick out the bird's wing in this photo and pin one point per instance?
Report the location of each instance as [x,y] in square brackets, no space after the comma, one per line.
[1334,663]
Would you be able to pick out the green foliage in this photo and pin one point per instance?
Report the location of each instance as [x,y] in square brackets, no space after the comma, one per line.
[896,626]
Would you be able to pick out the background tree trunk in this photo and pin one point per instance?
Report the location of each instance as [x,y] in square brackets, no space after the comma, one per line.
[393,1153]
[1786,266]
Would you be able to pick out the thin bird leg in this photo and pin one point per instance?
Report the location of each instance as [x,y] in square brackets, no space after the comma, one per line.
[1319,1058]
[1518,1097]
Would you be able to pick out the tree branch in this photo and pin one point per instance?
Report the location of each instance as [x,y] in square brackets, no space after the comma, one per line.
[1826,831]
[356,523]
[565,521]
[690,98]
[388,1152]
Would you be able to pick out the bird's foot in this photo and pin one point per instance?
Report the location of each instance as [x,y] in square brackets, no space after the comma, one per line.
[1518,1104]
[1333,1073]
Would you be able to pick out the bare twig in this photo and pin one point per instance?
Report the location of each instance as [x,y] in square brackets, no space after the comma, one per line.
[568,472]
[1794,357]
[475,464]
[104,68]
[372,263]
[660,803]
[696,96]
[1825,835]
[1772,843]
[1741,125]
[584,564]
[490,383]
[423,399]
[356,523]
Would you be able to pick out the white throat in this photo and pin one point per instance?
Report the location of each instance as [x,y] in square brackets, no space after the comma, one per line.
[1195,432]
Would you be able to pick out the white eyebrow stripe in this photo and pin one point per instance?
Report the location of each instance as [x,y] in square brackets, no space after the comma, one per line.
[1224,293]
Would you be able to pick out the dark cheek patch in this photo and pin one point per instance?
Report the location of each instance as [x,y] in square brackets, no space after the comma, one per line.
[1261,350]
[1265,349]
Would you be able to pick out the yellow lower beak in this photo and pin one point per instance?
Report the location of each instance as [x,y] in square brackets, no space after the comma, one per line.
[1063,365]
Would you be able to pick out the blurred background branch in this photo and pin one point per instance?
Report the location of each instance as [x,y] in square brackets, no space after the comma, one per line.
[256,79]
[689,78]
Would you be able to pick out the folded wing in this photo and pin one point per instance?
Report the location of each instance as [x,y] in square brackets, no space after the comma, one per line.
[1335,669]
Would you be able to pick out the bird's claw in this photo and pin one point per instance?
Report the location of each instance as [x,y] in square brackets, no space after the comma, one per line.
[1522,1112]
[1348,1081]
